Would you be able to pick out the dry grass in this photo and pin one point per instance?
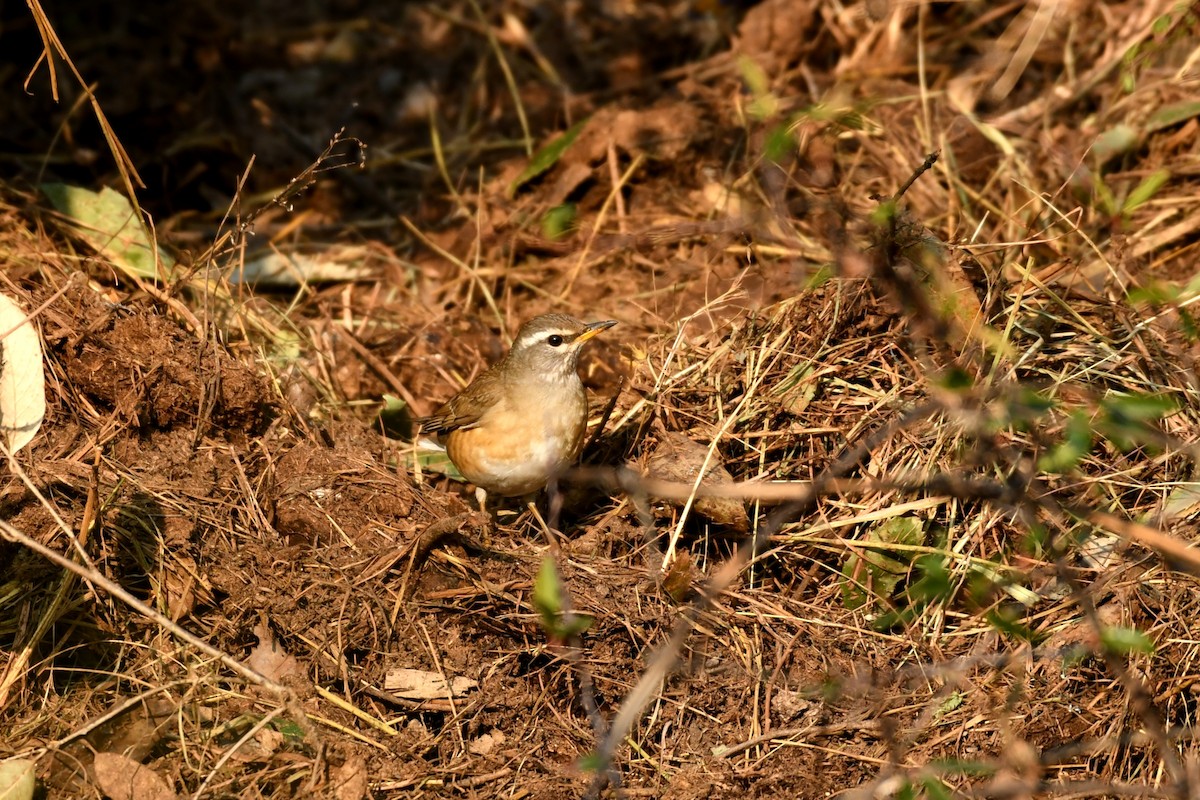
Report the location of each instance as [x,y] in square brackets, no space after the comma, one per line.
[961,420]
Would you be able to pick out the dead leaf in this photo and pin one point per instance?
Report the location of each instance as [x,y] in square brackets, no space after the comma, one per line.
[1081,633]
[485,744]
[269,739]
[22,379]
[678,580]
[332,265]
[419,684]
[975,155]
[270,660]
[797,389]
[677,458]
[107,222]
[776,32]
[570,178]
[789,704]
[134,733]
[185,586]
[663,132]
[350,779]
[122,778]
[17,779]
[139,730]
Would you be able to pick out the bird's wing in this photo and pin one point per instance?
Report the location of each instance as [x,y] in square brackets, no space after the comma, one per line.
[464,410]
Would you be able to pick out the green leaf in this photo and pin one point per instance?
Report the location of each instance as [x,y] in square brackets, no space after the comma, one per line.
[574,625]
[546,157]
[289,729]
[884,214]
[1128,73]
[891,620]
[435,461]
[955,379]
[935,789]
[1145,190]
[780,142]
[1117,140]
[1137,407]
[951,702]
[1005,620]
[558,221]
[958,766]
[854,596]
[1105,200]
[854,120]
[548,600]
[107,222]
[547,591]
[1076,443]
[883,571]
[1125,420]
[1171,115]
[902,530]
[1153,293]
[934,585]
[820,277]
[1034,544]
[763,104]
[754,76]
[1123,641]
[592,762]
[873,568]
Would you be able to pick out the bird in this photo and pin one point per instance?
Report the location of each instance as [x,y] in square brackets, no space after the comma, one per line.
[521,422]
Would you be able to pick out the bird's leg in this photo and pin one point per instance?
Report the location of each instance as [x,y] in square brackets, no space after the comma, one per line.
[489,521]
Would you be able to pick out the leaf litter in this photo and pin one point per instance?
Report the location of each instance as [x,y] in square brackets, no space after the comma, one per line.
[955,609]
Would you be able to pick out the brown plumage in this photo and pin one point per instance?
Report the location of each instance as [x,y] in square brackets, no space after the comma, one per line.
[523,420]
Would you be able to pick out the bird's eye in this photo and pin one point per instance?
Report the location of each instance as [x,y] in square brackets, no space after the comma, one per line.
[554,340]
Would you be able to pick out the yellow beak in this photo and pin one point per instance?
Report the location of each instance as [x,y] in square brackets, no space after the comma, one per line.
[594,328]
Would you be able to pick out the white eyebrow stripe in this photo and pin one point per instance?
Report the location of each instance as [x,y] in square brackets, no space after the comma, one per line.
[540,336]
[526,340]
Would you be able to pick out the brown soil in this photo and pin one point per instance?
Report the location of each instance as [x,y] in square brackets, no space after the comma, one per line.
[218,450]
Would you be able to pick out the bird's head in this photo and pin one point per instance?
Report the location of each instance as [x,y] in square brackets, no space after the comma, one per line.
[549,345]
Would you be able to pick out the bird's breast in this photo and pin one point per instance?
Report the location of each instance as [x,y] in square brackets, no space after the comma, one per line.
[522,442]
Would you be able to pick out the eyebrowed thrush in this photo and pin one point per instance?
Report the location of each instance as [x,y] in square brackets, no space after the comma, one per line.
[522,421]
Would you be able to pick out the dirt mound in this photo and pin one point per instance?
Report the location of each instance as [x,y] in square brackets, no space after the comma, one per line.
[891,489]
